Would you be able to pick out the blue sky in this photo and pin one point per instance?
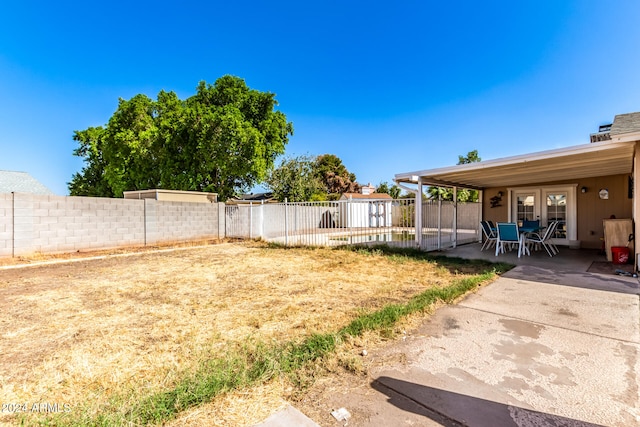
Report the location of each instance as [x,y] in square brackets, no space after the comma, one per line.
[387,87]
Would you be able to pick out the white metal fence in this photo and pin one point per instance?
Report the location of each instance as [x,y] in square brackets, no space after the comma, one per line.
[392,222]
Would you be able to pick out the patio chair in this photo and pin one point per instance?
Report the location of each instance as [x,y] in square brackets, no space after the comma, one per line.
[508,236]
[543,239]
[551,236]
[490,236]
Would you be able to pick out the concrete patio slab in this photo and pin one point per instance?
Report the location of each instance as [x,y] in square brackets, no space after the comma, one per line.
[288,417]
[523,353]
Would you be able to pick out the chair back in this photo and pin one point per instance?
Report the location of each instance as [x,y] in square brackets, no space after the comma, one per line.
[508,232]
[486,228]
[548,233]
[530,224]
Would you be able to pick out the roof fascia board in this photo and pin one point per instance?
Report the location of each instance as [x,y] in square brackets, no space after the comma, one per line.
[442,183]
[626,137]
[505,161]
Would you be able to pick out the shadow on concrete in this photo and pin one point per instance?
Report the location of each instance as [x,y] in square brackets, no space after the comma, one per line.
[586,280]
[453,409]
[568,268]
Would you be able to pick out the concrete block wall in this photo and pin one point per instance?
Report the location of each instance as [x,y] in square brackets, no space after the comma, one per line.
[6,224]
[64,224]
[47,224]
[174,221]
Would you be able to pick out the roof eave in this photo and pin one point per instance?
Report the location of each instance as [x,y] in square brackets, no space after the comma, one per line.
[424,175]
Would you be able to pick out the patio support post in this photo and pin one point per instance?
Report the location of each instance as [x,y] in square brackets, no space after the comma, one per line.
[439,220]
[418,215]
[480,197]
[454,234]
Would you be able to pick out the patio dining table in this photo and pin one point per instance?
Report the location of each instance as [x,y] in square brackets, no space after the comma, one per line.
[523,231]
[522,248]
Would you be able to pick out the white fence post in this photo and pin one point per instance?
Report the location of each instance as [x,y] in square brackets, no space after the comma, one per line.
[350,220]
[286,223]
[439,221]
[262,219]
[250,220]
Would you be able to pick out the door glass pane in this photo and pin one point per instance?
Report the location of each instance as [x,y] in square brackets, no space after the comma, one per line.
[557,211]
[525,209]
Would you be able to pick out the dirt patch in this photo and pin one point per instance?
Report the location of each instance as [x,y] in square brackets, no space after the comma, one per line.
[80,333]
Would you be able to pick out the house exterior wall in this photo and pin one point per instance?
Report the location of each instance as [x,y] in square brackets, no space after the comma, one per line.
[591,210]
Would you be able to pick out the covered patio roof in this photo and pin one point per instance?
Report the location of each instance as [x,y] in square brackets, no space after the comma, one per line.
[579,161]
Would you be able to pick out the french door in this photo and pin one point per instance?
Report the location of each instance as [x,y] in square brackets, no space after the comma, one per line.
[546,204]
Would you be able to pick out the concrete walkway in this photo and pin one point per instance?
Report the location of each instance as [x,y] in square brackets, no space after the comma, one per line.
[535,348]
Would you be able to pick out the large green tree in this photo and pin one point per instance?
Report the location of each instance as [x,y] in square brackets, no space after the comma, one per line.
[463,194]
[223,139]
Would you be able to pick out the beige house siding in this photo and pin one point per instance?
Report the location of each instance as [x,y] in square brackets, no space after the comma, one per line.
[499,213]
[591,210]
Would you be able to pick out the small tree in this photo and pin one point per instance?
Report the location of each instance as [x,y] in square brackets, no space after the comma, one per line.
[334,176]
[295,179]
[394,191]
[463,194]
[306,178]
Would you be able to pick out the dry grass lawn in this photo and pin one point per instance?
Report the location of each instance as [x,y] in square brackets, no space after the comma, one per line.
[81,333]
